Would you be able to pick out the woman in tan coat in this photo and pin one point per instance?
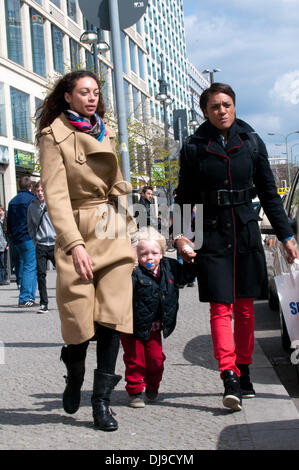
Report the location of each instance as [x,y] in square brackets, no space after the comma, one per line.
[86,200]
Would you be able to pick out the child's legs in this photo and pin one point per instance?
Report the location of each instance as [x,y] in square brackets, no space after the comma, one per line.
[134,359]
[222,336]
[154,358]
[244,330]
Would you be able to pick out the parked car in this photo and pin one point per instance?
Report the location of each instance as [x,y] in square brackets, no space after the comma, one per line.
[275,254]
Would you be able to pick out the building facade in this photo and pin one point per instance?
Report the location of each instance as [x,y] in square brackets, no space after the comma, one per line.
[40,40]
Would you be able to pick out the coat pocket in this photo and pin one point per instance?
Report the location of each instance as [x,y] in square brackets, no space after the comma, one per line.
[248,232]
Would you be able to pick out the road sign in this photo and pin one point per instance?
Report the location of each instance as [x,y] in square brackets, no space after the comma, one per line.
[97,12]
[180,126]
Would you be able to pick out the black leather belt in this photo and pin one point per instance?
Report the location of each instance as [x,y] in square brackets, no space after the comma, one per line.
[228,197]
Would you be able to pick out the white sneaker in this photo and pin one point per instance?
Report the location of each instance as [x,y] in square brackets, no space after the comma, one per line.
[43,309]
[136,401]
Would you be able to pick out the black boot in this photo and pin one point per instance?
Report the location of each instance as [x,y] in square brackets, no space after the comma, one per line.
[232,397]
[247,389]
[74,380]
[103,385]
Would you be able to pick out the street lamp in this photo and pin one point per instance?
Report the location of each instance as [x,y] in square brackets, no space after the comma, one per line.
[211,73]
[165,99]
[193,121]
[287,153]
[93,39]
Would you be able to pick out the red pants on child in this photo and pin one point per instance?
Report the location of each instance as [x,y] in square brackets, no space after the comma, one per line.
[233,348]
[144,361]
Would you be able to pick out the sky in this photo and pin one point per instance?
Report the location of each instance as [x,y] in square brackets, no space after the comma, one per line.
[255,44]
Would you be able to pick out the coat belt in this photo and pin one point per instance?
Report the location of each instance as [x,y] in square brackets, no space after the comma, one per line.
[87,203]
[228,197]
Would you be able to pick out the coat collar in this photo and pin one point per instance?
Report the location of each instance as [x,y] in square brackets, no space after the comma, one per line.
[210,135]
[61,128]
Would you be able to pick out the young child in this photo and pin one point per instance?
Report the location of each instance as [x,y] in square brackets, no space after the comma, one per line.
[156,282]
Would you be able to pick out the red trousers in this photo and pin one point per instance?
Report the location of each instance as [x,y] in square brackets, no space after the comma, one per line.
[144,361]
[233,348]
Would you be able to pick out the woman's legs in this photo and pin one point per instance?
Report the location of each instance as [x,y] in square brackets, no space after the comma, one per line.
[244,330]
[104,378]
[233,348]
[222,336]
[73,356]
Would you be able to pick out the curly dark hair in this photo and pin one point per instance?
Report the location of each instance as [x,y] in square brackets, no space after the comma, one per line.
[54,103]
[215,88]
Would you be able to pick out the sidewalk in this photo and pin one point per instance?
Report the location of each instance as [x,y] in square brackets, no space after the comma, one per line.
[188,416]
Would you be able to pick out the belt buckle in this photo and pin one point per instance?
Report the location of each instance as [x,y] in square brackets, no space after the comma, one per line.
[220,201]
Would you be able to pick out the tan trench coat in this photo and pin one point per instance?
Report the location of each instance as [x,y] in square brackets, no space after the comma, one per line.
[83,185]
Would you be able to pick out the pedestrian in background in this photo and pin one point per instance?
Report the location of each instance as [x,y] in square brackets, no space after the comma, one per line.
[83,188]
[22,243]
[3,249]
[222,166]
[43,236]
[156,282]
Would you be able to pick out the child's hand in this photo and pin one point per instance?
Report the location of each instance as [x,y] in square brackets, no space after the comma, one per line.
[185,248]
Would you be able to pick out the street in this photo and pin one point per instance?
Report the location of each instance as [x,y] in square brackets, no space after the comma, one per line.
[189,414]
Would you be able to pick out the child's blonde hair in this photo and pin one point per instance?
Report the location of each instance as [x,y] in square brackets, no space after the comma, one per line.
[149,233]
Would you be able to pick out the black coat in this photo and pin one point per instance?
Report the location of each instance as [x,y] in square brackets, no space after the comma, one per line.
[231,262]
[158,298]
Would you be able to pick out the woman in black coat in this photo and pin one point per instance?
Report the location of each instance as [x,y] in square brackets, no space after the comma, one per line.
[223,166]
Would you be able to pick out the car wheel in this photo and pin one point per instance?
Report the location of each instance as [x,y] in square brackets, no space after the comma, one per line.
[285,339]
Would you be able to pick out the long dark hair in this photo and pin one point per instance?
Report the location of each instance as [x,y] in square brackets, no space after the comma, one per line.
[54,103]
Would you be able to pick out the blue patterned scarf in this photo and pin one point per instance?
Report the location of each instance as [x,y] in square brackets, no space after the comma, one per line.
[94,125]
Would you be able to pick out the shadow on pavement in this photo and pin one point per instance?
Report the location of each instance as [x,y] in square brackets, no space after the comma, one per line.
[271,435]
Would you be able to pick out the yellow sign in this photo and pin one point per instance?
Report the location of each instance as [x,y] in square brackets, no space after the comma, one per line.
[283,190]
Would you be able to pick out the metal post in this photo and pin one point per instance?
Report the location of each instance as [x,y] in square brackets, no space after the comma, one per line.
[119,89]
[180,132]
[95,56]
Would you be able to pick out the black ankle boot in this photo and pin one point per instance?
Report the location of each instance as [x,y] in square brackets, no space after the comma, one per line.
[247,389]
[103,385]
[74,380]
[232,397]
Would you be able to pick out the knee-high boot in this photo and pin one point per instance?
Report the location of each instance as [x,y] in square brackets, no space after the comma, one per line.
[103,385]
[74,380]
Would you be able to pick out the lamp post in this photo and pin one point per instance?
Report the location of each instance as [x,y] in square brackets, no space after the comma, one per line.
[165,99]
[211,73]
[287,153]
[193,122]
[94,40]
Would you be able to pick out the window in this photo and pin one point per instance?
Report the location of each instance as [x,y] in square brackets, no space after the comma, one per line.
[140,58]
[2,111]
[57,46]
[143,107]
[132,56]
[89,59]
[56,2]
[135,102]
[39,2]
[75,55]
[20,110]
[37,43]
[127,98]
[72,9]
[14,31]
